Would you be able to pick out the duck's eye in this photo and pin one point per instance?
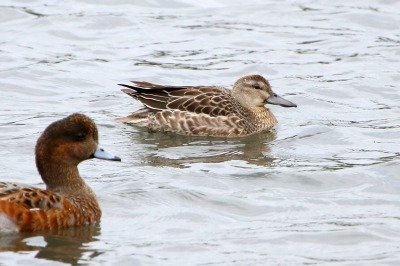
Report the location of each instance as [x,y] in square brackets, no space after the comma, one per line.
[79,136]
[257,87]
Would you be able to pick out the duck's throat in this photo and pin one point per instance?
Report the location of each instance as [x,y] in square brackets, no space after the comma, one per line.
[264,118]
[66,181]
[60,176]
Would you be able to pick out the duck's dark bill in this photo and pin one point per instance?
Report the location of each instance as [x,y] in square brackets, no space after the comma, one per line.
[100,153]
[278,100]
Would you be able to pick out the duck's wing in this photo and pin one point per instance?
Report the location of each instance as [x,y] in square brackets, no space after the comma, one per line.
[210,100]
[29,197]
[27,209]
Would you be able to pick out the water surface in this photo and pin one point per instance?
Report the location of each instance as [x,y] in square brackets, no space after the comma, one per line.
[323,187]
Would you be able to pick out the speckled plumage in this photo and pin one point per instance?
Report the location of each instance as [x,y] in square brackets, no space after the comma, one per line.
[204,110]
[67,201]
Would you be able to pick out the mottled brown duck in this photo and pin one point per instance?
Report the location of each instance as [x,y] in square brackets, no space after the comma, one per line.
[206,110]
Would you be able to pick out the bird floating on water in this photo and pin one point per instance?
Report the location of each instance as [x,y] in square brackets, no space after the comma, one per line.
[67,200]
[206,110]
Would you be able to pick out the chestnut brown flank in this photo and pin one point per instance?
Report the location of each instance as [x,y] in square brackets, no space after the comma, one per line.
[67,200]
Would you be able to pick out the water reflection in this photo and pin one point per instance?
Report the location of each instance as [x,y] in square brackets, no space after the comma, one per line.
[182,151]
[66,246]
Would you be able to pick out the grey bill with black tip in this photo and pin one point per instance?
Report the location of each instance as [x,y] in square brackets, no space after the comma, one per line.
[100,153]
[278,100]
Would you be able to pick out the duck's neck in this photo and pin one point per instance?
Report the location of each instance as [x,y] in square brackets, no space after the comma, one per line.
[66,181]
[263,117]
[61,177]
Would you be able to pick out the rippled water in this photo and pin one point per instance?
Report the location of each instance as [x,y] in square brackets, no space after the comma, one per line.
[323,187]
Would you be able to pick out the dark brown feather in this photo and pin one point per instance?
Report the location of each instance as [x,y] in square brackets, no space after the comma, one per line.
[213,101]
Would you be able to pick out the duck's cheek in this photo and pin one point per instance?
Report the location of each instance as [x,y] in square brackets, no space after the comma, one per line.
[83,153]
[61,152]
[264,95]
[259,100]
[70,153]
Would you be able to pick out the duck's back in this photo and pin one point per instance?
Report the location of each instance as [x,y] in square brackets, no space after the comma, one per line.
[188,110]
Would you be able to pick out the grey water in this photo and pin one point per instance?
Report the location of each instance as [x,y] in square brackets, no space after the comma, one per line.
[322,188]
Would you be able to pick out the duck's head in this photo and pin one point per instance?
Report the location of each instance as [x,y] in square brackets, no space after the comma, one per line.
[69,141]
[254,91]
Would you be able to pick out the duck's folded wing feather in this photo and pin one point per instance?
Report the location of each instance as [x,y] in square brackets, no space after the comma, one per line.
[32,209]
[23,219]
[30,197]
[213,101]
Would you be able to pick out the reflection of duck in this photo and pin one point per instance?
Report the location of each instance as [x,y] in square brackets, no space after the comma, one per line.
[67,245]
[180,151]
[68,201]
[206,110]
